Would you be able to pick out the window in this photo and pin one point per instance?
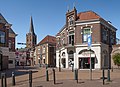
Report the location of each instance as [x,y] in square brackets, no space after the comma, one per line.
[104,35]
[10,61]
[71,21]
[44,61]
[43,49]
[63,39]
[2,37]
[10,44]
[111,38]
[71,37]
[38,50]
[86,33]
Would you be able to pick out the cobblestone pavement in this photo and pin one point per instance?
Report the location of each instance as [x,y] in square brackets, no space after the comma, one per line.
[65,78]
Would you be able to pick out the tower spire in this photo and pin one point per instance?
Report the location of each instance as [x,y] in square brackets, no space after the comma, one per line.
[31,26]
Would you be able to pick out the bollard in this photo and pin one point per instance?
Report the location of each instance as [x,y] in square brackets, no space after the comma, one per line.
[3,80]
[54,76]
[13,79]
[77,75]
[30,78]
[108,75]
[47,75]
[72,68]
[112,69]
[103,77]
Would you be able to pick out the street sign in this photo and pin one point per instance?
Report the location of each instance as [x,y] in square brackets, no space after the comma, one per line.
[89,41]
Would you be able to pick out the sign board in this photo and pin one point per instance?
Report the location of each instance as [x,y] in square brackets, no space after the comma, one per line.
[89,41]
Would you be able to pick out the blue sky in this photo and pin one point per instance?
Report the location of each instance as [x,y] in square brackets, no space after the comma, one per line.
[49,15]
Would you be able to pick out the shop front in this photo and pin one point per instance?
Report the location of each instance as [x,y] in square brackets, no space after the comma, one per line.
[84,59]
[84,63]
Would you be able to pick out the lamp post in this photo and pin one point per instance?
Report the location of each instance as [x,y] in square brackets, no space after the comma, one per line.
[108,75]
[89,47]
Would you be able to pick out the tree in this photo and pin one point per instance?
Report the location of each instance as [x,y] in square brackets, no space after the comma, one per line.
[116,59]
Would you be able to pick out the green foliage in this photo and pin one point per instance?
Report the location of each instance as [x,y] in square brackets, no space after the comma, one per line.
[116,59]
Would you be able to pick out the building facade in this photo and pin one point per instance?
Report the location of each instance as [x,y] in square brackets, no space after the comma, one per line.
[7,45]
[22,57]
[45,51]
[72,41]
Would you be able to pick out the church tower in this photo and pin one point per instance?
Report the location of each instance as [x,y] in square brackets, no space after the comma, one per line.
[31,38]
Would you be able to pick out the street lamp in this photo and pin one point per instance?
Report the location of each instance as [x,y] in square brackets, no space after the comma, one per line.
[108,75]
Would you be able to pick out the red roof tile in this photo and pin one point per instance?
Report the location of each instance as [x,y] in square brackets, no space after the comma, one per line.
[48,39]
[87,15]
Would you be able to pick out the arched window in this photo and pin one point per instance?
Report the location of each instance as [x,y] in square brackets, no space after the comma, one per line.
[63,54]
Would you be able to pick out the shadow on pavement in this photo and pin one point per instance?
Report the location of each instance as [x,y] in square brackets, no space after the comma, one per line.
[18,71]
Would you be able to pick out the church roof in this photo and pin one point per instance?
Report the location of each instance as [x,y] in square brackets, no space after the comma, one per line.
[31,26]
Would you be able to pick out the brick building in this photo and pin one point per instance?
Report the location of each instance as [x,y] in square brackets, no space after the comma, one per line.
[7,45]
[45,51]
[22,56]
[72,47]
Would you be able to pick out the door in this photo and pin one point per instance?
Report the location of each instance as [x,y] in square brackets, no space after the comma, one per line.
[84,63]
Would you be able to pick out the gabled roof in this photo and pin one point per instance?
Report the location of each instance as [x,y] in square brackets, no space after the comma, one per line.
[87,15]
[4,21]
[11,31]
[48,39]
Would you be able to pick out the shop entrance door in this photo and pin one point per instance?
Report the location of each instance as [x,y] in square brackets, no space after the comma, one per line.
[84,63]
